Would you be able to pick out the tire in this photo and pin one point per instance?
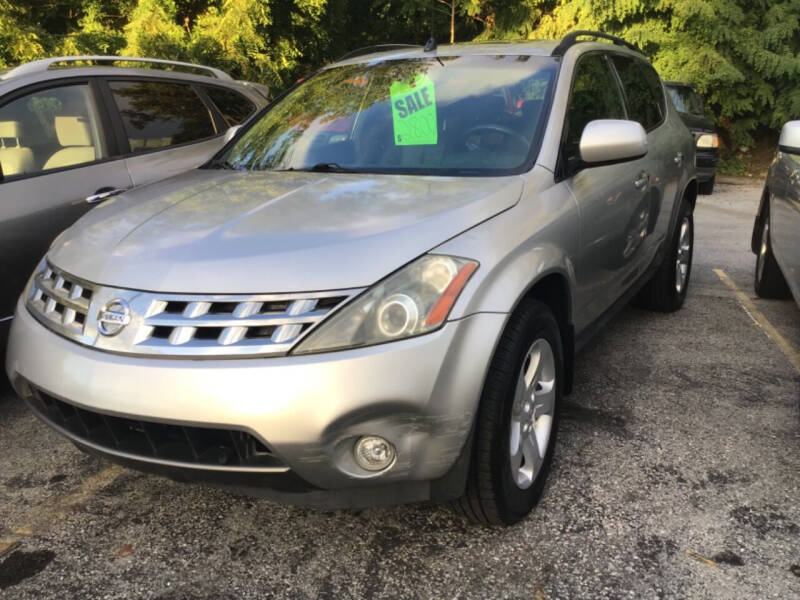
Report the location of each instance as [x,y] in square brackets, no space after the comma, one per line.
[768,281]
[503,488]
[707,187]
[665,292]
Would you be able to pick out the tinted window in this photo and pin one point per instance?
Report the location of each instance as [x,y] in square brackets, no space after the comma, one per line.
[159,114]
[595,95]
[234,107]
[686,100]
[643,93]
[50,129]
[447,115]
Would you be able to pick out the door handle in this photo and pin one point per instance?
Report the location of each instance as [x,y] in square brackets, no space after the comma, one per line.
[103,194]
[678,159]
[794,177]
[642,182]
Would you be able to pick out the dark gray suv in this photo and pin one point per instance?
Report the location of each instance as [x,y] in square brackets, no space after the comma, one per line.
[76,130]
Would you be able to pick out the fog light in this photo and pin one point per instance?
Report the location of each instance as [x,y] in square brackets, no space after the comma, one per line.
[374,453]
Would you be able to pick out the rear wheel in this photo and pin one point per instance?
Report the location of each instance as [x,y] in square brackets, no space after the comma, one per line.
[517,420]
[666,291]
[769,280]
[707,187]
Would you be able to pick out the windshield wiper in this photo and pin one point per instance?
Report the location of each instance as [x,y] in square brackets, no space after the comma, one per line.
[329,167]
[222,164]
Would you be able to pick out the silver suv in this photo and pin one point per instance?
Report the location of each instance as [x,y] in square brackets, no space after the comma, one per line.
[75,130]
[374,293]
[776,231]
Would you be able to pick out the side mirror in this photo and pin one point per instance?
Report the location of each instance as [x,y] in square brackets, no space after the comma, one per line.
[232,131]
[790,138]
[609,141]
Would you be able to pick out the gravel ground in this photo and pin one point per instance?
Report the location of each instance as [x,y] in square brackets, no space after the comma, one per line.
[676,476]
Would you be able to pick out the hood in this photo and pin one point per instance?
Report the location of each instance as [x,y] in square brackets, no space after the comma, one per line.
[230,232]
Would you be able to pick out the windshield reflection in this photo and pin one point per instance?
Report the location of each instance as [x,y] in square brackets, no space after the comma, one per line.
[446,115]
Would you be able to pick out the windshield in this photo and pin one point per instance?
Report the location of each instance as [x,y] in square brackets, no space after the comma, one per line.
[449,115]
[686,100]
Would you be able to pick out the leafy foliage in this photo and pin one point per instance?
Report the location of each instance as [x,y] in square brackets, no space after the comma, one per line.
[744,55]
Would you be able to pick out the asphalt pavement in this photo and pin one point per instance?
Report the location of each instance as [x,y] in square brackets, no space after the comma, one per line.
[677,475]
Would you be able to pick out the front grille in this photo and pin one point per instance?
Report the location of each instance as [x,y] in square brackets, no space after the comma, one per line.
[175,325]
[196,324]
[197,446]
[60,300]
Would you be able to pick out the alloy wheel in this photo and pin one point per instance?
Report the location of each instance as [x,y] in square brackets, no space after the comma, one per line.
[684,254]
[532,413]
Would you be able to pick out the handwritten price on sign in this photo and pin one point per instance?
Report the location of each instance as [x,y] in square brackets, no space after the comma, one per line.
[414,112]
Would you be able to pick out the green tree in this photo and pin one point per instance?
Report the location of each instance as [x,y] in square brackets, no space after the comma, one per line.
[742,54]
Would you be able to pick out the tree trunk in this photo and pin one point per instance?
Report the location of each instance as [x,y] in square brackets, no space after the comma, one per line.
[452,21]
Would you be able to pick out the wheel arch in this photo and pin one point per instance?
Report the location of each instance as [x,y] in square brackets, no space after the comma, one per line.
[763,208]
[553,289]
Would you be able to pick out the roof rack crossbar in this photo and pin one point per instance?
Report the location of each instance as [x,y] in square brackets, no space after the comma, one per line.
[45,64]
[571,39]
[377,48]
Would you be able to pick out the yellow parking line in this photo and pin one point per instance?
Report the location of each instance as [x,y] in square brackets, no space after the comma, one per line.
[759,319]
[49,512]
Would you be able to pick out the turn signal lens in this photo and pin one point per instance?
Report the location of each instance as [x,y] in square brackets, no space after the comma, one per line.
[445,302]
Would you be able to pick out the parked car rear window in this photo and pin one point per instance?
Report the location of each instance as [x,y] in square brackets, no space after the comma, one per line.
[160,114]
[643,91]
[462,115]
[234,107]
[686,100]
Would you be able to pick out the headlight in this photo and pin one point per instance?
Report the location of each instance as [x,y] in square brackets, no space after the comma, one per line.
[416,299]
[708,140]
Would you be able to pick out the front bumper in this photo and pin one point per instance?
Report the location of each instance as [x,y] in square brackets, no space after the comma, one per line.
[421,394]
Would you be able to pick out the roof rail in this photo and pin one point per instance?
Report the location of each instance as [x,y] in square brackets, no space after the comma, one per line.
[377,48]
[571,39]
[45,64]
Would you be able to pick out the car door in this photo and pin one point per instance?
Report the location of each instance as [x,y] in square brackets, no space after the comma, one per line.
[645,102]
[784,219]
[609,197]
[166,126]
[54,153]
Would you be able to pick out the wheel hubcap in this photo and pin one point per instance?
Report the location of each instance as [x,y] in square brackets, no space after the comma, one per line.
[532,413]
[684,255]
[762,252]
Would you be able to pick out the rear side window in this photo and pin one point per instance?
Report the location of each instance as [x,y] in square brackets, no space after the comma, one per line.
[50,129]
[643,93]
[595,95]
[234,107]
[159,114]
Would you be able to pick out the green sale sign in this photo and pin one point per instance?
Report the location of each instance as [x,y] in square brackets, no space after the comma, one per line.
[414,112]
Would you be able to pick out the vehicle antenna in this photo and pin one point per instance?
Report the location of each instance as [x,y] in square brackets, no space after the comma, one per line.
[430,45]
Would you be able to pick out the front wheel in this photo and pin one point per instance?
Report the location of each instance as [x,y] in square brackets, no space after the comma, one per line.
[517,420]
[769,280]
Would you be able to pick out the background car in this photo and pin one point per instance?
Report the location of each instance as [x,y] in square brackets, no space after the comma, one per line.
[375,292]
[76,130]
[690,107]
[776,232]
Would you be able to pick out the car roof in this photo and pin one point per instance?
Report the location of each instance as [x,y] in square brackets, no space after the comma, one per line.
[493,48]
[51,69]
